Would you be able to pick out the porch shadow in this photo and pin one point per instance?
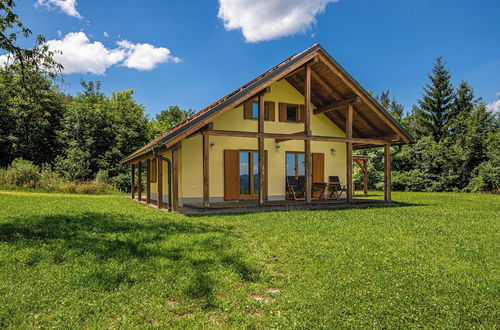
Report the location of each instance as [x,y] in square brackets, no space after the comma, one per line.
[193,210]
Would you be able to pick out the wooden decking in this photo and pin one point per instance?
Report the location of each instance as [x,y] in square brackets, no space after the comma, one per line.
[252,206]
[287,205]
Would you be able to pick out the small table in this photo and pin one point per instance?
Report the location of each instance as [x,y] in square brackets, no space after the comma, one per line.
[319,187]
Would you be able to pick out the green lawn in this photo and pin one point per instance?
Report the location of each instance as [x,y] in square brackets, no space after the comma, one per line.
[105,261]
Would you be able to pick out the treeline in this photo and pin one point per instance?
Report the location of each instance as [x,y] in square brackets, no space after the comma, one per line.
[80,138]
[456,141]
[83,137]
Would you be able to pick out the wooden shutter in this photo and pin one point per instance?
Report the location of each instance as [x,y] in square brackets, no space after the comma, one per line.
[247,110]
[153,170]
[302,113]
[282,111]
[270,111]
[318,170]
[318,167]
[231,174]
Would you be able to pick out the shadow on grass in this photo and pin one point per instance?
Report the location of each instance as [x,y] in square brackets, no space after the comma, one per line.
[193,248]
[245,210]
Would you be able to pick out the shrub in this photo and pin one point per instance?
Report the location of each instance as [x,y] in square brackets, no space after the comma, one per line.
[486,179]
[22,173]
[413,180]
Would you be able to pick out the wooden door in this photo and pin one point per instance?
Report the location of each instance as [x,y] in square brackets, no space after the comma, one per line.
[318,170]
[231,175]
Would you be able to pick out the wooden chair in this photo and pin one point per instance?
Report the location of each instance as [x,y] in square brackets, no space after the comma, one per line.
[335,186]
[295,188]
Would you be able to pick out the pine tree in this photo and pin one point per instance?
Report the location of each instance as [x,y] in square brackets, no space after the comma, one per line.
[436,107]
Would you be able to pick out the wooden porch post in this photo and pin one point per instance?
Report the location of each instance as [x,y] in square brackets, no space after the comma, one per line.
[132,180]
[139,181]
[387,172]
[175,180]
[260,141]
[159,180]
[148,181]
[365,177]
[307,128]
[206,181]
[350,110]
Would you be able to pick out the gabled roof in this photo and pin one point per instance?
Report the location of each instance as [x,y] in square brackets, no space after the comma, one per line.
[285,70]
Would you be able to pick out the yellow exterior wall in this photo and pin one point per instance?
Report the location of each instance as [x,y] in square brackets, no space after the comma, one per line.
[191,158]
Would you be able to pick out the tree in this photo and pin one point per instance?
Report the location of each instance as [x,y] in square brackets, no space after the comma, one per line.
[463,106]
[170,117]
[30,118]
[435,108]
[38,58]
[99,131]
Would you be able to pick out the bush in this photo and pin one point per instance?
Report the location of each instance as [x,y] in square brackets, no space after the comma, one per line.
[413,180]
[486,179]
[24,174]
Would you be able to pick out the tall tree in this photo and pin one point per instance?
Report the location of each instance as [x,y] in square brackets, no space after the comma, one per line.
[436,106]
[170,117]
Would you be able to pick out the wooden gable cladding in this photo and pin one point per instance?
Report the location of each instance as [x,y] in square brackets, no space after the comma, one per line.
[328,89]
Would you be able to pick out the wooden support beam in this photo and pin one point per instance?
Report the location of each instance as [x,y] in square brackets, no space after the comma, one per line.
[296,137]
[206,178]
[365,177]
[148,181]
[326,86]
[387,172]
[350,111]
[288,139]
[159,179]
[338,105]
[139,181]
[260,141]
[175,180]
[132,181]
[307,129]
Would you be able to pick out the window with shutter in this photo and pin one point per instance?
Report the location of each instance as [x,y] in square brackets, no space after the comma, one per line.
[251,110]
[290,112]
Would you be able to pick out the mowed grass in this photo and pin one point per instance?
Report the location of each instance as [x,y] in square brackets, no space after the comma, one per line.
[105,261]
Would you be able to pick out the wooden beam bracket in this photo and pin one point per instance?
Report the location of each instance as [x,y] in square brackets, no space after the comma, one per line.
[338,105]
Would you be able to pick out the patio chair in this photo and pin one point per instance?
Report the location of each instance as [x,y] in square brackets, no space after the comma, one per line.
[295,188]
[335,186]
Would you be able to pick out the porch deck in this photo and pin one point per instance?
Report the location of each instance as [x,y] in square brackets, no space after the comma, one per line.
[286,205]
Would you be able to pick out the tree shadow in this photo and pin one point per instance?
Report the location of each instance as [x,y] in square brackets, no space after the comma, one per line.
[110,237]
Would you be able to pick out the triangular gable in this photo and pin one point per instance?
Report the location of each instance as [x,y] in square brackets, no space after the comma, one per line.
[255,86]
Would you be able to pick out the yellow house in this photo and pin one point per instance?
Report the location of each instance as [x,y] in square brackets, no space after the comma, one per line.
[285,137]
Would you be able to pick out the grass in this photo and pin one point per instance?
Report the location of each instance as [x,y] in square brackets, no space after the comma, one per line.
[69,260]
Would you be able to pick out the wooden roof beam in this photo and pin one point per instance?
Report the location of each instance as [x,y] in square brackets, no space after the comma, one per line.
[366,123]
[338,105]
[326,86]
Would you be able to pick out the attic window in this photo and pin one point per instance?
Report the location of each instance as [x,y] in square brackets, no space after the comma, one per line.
[292,113]
[252,110]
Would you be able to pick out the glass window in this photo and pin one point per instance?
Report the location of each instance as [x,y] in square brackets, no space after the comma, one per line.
[290,164]
[255,110]
[244,173]
[292,113]
[301,162]
[255,156]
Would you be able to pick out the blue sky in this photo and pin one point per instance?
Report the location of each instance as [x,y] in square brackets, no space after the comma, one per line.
[191,53]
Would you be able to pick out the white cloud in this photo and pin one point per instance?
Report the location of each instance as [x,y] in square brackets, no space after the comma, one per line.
[498,94]
[145,56]
[494,106]
[59,33]
[106,34]
[261,20]
[4,59]
[78,55]
[66,6]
